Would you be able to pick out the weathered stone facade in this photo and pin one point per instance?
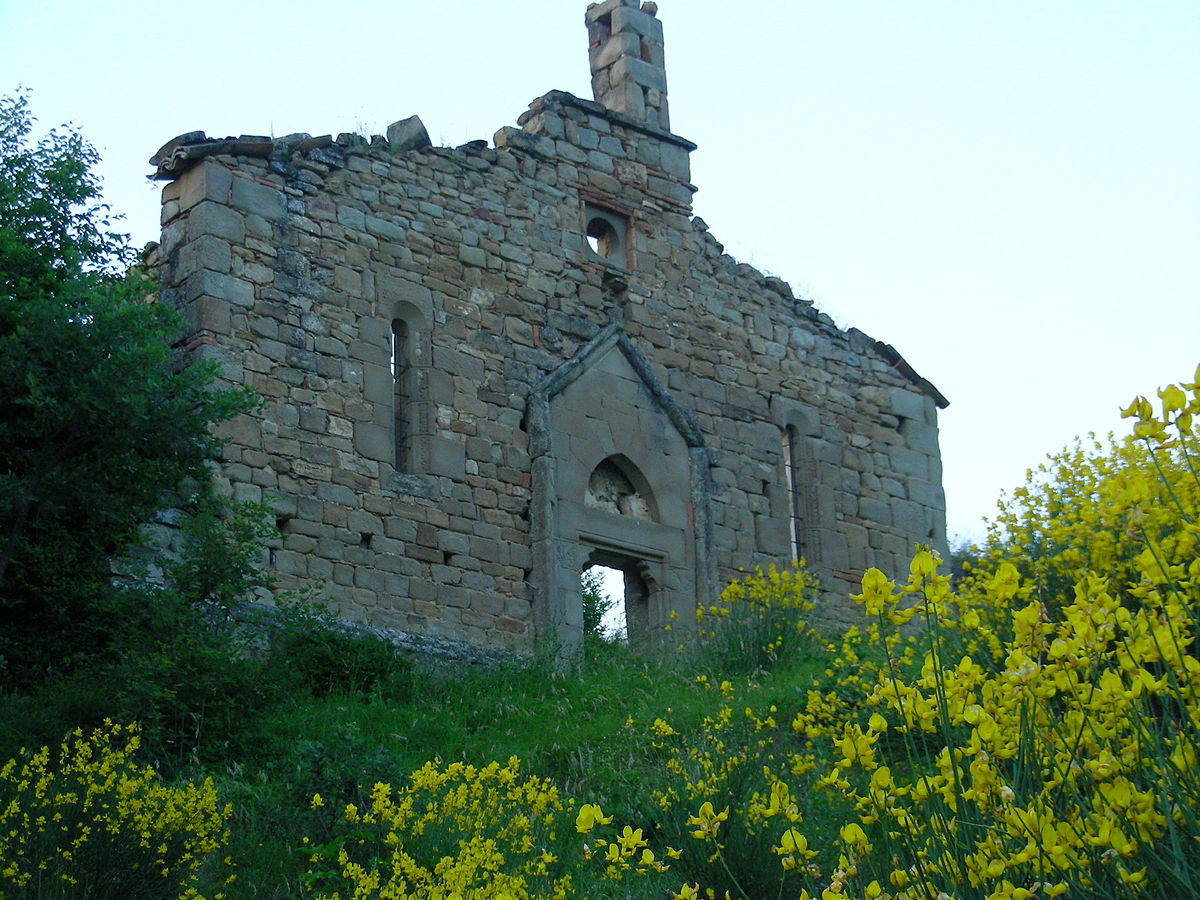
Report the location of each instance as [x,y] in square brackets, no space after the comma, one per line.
[483,368]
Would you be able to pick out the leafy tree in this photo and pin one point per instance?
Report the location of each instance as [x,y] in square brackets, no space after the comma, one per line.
[596,604]
[97,420]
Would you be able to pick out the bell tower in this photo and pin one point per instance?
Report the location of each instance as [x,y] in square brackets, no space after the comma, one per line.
[625,51]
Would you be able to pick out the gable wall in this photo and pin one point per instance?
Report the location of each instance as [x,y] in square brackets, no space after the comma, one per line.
[292,266]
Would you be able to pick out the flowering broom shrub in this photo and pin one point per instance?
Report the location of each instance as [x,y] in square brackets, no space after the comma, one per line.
[92,823]
[1037,735]
[487,833]
[757,621]
[1032,732]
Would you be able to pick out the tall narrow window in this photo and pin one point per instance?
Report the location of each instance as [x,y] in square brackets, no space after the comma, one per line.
[795,500]
[402,396]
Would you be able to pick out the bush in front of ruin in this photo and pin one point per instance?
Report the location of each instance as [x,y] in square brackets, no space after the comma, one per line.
[999,740]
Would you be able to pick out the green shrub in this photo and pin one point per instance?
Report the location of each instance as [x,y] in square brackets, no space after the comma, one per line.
[757,622]
[326,658]
[97,421]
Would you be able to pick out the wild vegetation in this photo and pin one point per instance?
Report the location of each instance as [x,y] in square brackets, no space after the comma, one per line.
[1028,729]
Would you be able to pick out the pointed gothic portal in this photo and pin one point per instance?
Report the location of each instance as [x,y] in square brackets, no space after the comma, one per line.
[620,478]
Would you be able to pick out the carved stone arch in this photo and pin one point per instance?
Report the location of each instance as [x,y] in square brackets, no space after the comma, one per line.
[805,419]
[418,317]
[634,497]
[604,407]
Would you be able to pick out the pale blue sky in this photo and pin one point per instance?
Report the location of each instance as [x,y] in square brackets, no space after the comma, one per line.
[1008,193]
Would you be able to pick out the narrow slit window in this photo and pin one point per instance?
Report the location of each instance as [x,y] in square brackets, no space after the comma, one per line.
[402,394]
[792,480]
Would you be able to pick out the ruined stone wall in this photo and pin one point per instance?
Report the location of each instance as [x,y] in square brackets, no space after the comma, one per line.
[406,481]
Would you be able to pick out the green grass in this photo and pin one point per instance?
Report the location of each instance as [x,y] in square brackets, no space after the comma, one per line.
[313,710]
[586,729]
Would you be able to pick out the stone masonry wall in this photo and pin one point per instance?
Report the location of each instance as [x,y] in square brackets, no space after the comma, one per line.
[292,259]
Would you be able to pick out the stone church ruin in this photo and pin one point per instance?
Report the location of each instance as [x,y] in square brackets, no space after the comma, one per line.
[485,368]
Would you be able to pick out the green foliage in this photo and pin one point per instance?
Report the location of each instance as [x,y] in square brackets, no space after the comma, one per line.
[596,605]
[222,563]
[196,668]
[326,658]
[52,230]
[175,661]
[96,420]
[758,622]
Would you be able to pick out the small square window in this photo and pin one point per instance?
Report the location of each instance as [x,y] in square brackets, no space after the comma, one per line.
[606,235]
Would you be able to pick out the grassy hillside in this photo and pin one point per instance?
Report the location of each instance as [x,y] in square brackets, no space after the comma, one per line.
[1030,729]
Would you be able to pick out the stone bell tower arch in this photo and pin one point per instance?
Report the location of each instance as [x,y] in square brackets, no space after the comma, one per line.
[620,477]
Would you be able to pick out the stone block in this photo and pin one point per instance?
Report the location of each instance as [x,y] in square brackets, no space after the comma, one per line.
[354,219]
[408,134]
[610,146]
[447,457]
[209,314]
[453,542]
[606,53]
[217,220]
[472,256]
[919,436]
[392,289]
[509,138]
[927,494]
[364,522]
[911,519]
[374,441]
[515,254]
[313,419]
[488,604]
[606,7]
[912,404]
[383,228]
[909,462]
[219,286]
[255,198]
[478,581]
[208,181]
[675,161]
[680,193]
[288,562]
[625,97]
[875,510]
[835,552]
[630,18]
[379,386]
[773,536]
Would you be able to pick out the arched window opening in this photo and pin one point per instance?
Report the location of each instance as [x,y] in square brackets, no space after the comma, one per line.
[617,490]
